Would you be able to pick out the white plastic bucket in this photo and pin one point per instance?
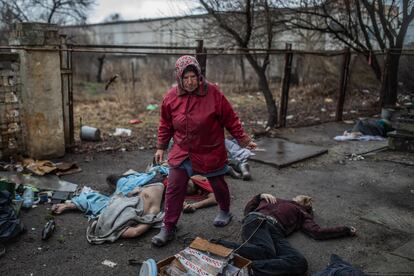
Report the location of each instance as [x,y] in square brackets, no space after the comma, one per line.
[88,133]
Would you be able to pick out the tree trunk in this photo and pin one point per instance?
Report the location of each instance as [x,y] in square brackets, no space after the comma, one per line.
[390,83]
[243,72]
[270,101]
[264,87]
[376,66]
[101,61]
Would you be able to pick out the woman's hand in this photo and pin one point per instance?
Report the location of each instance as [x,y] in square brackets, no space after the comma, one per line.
[159,156]
[269,198]
[251,145]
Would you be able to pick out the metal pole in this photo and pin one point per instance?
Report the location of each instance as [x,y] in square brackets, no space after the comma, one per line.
[384,78]
[285,85]
[343,84]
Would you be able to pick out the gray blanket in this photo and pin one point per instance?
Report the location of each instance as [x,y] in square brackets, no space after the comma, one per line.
[121,213]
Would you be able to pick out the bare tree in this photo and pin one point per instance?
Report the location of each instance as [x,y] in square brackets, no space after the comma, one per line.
[362,25]
[113,17]
[249,23]
[48,11]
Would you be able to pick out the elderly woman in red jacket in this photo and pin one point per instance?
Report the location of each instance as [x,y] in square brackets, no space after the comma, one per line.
[194,113]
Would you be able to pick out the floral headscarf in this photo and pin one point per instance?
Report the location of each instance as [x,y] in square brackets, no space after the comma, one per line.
[180,65]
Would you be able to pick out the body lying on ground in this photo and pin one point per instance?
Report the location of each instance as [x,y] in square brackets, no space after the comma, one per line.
[200,195]
[128,217]
[238,158]
[268,221]
[369,127]
[339,267]
[124,216]
[92,203]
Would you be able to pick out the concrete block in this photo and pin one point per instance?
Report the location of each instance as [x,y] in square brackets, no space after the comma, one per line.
[42,104]
[400,142]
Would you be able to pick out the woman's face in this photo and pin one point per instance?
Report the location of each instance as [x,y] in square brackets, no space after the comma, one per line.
[190,81]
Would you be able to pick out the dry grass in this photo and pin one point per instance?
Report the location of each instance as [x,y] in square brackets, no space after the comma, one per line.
[115,107]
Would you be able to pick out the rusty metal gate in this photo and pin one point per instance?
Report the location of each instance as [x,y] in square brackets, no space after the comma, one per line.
[67,92]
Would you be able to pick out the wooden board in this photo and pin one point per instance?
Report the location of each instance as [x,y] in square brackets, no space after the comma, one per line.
[281,153]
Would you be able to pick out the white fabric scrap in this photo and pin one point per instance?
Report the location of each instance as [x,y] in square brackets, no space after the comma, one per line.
[358,138]
[109,263]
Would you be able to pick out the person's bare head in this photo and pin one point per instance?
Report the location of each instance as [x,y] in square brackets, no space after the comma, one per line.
[304,200]
[191,188]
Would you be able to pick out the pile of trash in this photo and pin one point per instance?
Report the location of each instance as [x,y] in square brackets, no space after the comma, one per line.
[25,185]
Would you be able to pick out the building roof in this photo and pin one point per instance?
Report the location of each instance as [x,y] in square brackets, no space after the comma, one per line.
[137,20]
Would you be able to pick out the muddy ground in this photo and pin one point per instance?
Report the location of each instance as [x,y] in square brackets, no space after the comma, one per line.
[344,191]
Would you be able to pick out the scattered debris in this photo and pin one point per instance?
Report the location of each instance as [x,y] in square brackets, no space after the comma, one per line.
[66,168]
[355,157]
[328,100]
[109,263]
[152,107]
[111,80]
[289,117]
[323,109]
[122,132]
[48,229]
[38,167]
[135,121]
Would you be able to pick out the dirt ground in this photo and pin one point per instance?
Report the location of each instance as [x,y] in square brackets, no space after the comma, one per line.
[344,191]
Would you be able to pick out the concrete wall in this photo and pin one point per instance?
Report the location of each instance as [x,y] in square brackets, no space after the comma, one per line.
[42,112]
[11,138]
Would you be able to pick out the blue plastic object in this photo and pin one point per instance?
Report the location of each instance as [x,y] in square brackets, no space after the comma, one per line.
[28,198]
[148,268]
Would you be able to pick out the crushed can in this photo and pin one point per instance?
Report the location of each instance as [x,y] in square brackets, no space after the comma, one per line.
[48,229]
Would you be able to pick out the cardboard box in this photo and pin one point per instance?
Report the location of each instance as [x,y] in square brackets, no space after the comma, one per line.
[216,249]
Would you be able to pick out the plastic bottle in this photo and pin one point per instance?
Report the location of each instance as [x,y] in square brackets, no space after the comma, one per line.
[28,197]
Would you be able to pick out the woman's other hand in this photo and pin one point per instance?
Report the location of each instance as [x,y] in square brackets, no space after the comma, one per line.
[269,198]
[251,145]
[159,156]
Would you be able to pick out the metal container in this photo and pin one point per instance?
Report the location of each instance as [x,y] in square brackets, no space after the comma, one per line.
[88,133]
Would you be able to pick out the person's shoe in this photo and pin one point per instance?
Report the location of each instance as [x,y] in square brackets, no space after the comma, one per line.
[222,219]
[245,171]
[233,173]
[163,237]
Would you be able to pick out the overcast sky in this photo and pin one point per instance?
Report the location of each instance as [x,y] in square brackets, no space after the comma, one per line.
[138,9]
